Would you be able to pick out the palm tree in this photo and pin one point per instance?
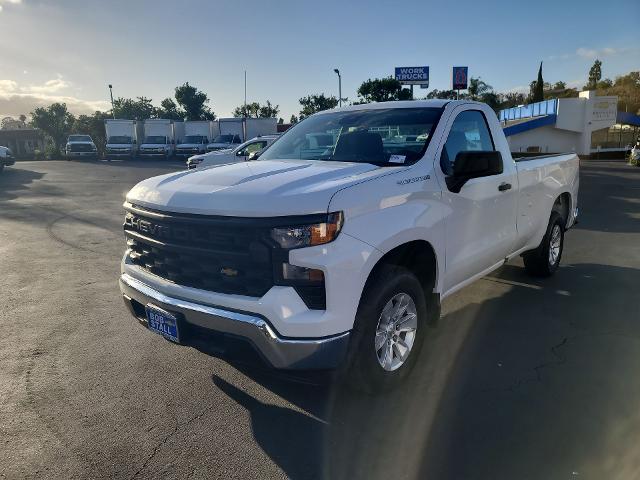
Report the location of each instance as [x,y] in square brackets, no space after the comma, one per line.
[478,88]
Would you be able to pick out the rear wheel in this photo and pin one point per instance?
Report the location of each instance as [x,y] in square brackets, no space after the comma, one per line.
[389,331]
[544,260]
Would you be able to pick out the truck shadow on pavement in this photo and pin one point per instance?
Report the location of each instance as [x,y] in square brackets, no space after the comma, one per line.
[536,382]
[16,182]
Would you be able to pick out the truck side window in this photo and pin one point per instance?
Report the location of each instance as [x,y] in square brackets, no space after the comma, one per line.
[469,132]
[252,147]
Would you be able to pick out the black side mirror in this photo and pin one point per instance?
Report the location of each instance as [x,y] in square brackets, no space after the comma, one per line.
[474,164]
[135,141]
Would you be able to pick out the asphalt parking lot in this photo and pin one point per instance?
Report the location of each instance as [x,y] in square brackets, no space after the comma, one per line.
[526,379]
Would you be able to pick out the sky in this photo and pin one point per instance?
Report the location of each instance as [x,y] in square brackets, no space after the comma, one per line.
[70,50]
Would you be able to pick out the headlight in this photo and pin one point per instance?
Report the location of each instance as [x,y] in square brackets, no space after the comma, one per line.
[309,235]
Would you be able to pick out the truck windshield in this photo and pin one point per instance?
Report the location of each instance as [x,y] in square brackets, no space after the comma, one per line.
[155,139]
[119,139]
[193,139]
[386,136]
[79,138]
[223,139]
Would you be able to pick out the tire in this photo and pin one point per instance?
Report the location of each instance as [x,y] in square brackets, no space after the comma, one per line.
[544,260]
[364,369]
[1,167]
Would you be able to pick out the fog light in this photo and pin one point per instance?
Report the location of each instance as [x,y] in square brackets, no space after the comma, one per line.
[293,272]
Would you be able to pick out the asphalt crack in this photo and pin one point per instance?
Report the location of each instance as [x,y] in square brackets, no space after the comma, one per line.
[166,439]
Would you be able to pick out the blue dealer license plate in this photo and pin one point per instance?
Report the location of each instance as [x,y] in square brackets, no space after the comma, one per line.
[163,323]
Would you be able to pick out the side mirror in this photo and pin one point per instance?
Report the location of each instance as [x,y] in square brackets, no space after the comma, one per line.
[474,164]
[254,155]
[135,141]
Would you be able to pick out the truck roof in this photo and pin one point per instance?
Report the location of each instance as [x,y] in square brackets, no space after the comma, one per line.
[436,103]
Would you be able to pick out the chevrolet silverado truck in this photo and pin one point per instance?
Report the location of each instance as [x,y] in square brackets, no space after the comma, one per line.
[6,158]
[335,248]
[80,146]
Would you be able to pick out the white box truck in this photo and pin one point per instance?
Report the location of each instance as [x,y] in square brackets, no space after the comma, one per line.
[234,131]
[197,134]
[123,138]
[159,138]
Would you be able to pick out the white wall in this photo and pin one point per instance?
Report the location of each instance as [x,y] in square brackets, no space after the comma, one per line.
[548,138]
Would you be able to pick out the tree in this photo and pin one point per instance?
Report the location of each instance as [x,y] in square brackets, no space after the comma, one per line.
[250,110]
[595,74]
[193,102]
[93,125]
[23,118]
[444,94]
[133,109]
[269,111]
[316,103]
[293,119]
[626,88]
[169,109]
[55,121]
[477,89]
[255,110]
[537,94]
[382,90]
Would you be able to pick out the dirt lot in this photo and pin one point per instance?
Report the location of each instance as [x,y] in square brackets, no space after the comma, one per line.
[526,379]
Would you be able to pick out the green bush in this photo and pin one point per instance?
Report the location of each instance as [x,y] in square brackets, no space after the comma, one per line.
[39,155]
[52,153]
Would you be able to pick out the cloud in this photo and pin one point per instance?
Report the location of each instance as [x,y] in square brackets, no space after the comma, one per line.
[16,99]
[6,2]
[592,53]
[50,86]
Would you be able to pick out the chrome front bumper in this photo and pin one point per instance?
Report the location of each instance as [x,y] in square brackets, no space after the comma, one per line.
[280,352]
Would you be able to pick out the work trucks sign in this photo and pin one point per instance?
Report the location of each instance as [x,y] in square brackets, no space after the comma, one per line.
[413,75]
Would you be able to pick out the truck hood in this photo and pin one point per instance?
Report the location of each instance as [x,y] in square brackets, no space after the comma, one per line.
[80,143]
[119,145]
[264,188]
[190,145]
[153,145]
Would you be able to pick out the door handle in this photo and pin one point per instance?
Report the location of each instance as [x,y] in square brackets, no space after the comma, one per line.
[504,186]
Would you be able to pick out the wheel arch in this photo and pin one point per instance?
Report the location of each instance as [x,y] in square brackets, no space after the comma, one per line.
[417,256]
[562,205]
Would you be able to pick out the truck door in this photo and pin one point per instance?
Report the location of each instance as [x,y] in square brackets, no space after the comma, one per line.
[481,224]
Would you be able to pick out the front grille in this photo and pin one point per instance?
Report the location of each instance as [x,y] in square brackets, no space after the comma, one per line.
[80,147]
[233,255]
[210,253]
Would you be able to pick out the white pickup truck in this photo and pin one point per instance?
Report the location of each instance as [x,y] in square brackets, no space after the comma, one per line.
[335,248]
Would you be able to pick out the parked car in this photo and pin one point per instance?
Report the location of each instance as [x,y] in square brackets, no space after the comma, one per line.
[80,146]
[240,153]
[337,254]
[6,158]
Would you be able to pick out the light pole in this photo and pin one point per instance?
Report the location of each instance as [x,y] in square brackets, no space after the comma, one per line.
[339,86]
[113,110]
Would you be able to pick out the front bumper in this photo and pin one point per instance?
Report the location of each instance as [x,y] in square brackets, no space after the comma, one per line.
[153,154]
[7,161]
[280,352]
[82,154]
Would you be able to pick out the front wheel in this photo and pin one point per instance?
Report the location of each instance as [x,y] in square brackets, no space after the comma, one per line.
[544,260]
[391,325]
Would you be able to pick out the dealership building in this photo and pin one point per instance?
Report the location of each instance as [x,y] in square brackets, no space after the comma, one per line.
[588,125]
